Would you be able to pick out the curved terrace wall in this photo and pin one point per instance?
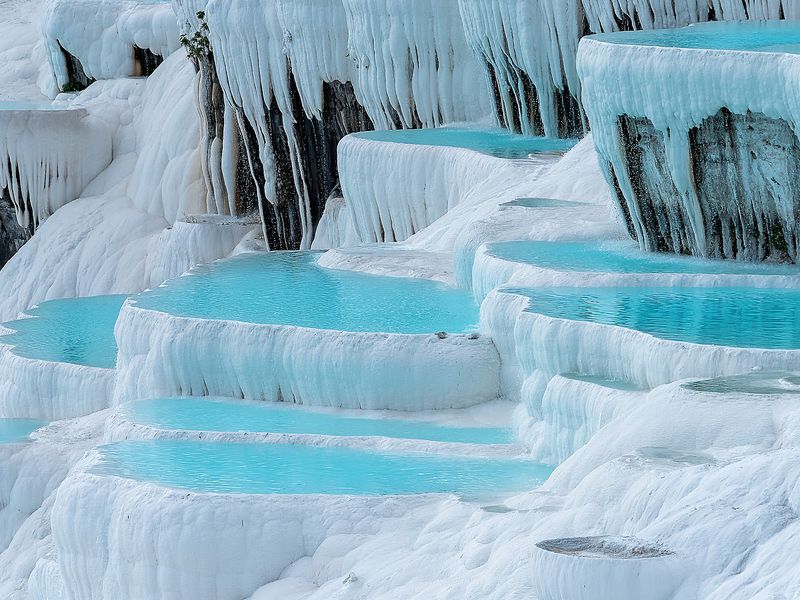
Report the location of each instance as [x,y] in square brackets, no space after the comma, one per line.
[698,144]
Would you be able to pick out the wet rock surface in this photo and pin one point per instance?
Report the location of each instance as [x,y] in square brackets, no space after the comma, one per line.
[743,196]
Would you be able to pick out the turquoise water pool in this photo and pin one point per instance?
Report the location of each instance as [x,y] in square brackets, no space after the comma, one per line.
[290,469]
[78,331]
[741,317]
[499,143]
[200,414]
[14,105]
[623,257]
[758,383]
[760,36]
[540,203]
[288,288]
[615,384]
[17,430]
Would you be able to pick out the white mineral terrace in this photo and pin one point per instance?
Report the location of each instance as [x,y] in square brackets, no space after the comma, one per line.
[416,182]
[40,169]
[479,388]
[102,35]
[161,354]
[677,79]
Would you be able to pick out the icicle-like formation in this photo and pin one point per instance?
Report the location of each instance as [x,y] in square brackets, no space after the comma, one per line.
[47,157]
[615,15]
[300,75]
[105,39]
[315,40]
[528,48]
[127,215]
[254,74]
[296,76]
[413,65]
[681,135]
[260,48]
[394,190]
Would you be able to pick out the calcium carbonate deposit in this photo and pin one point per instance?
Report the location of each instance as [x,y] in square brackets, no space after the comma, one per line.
[399,299]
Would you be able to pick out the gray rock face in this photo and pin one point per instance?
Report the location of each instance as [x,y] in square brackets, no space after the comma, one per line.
[519,107]
[656,201]
[78,80]
[304,159]
[744,182]
[145,61]
[306,171]
[747,173]
[12,235]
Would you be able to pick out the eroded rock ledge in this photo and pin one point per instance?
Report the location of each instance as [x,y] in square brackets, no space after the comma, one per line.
[699,145]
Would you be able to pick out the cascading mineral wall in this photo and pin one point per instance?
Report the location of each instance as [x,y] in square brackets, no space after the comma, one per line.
[528,47]
[299,76]
[620,15]
[88,40]
[394,190]
[699,145]
[413,65]
[40,170]
[284,81]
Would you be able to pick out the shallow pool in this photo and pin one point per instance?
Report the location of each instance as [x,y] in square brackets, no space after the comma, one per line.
[290,469]
[499,143]
[289,288]
[623,257]
[77,330]
[18,430]
[614,384]
[767,382]
[16,105]
[759,36]
[200,414]
[540,203]
[741,317]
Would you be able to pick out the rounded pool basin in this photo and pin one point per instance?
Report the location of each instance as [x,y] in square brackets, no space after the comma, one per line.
[292,469]
[499,143]
[289,288]
[220,415]
[722,316]
[78,331]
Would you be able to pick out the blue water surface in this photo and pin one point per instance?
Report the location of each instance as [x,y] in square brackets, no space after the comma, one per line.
[540,203]
[77,330]
[755,383]
[289,288]
[16,105]
[624,386]
[623,257]
[499,143]
[757,36]
[290,469]
[730,316]
[202,414]
[18,430]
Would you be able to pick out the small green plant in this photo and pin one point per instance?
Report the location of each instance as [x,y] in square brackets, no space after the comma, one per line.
[197,45]
[70,87]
